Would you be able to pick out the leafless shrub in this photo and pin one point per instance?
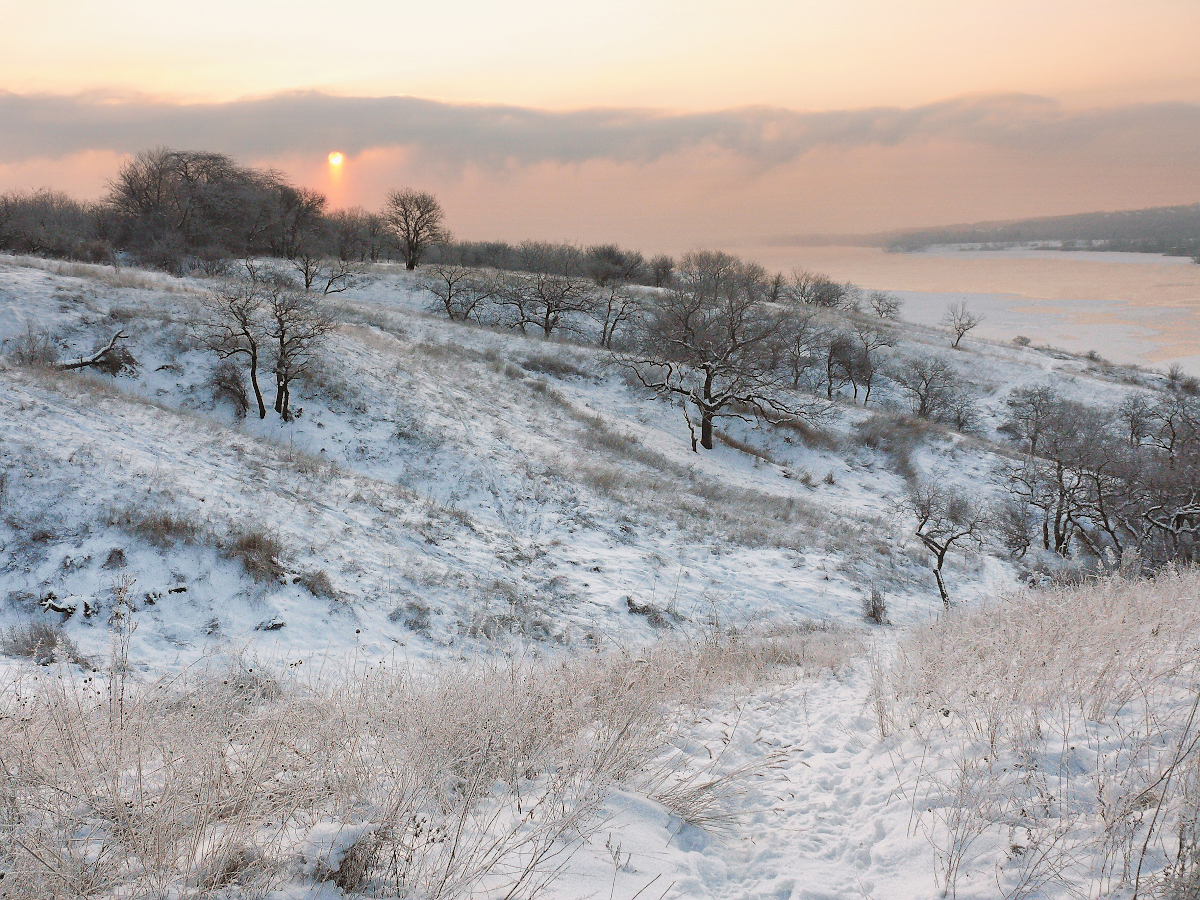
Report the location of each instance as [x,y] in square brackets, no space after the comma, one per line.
[654,615]
[414,615]
[553,364]
[34,348]
[226,384]
[310,465]
[42,643]
[874,607]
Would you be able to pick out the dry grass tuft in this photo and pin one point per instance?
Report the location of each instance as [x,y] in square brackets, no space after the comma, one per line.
[161,528]
[258,552]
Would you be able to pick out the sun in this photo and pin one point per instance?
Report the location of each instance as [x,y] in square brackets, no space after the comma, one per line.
[336,158]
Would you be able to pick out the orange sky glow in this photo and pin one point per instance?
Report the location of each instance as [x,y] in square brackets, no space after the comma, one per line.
[661,124]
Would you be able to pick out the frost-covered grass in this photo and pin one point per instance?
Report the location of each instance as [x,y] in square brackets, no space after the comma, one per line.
[1049,741]
[477,778]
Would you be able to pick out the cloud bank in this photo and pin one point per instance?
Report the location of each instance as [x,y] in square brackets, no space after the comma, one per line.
[493,136]
[655,179]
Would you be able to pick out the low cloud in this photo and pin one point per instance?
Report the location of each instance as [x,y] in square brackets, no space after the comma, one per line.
[493,136]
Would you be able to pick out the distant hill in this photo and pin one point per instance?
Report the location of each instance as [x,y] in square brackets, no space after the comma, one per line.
[1174,230]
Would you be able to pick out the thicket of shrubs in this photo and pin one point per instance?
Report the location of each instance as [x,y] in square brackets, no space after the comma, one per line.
[1121,482]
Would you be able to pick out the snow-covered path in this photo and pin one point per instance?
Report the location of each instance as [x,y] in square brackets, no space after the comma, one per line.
[827,821]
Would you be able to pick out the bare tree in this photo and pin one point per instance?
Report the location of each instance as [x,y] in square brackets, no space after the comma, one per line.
[715,344]
[48,222]
[870,340]
[944,518]
[234,322]
[959,320]
[801,341]
[330,275]
[815,289]
[296,222]
[416,218]
[1029,409]
[295,326]
[549,290]
[612,269]
[839,361]
[460,290]
[186,200]
[884,305]
[542,299]
[615,307]
[608,263]
[929,382]
[661,269]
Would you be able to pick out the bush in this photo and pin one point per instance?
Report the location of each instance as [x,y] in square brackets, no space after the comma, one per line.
[42,643]
[318,584]
[226,384]
[34,348]
[557,365]
[874,607]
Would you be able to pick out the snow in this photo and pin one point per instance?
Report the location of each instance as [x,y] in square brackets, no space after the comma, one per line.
[451,492]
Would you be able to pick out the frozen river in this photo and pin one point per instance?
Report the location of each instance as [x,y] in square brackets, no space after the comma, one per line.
[1129,307]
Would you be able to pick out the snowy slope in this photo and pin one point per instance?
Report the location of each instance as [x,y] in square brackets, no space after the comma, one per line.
[450,483]
[448,488]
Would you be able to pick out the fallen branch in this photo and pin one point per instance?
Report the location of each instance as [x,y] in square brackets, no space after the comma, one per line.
[112,359]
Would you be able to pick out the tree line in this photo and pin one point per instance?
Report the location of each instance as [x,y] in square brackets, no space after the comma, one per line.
[185,210]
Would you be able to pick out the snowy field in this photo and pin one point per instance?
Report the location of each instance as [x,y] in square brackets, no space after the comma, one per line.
[449,493]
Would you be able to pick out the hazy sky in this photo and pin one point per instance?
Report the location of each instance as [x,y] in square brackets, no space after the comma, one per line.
[657,123]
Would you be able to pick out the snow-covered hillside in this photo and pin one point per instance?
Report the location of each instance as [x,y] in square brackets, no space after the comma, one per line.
[447,489]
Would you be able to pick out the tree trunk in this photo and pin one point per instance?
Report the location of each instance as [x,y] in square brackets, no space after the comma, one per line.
[706,413]
[937,573]
[706,429]
[282,397]
[262,407]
